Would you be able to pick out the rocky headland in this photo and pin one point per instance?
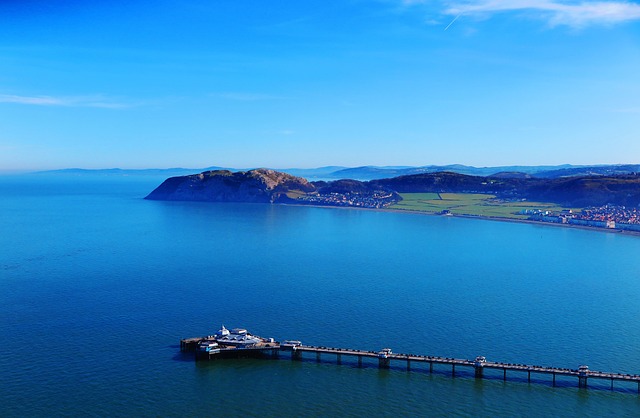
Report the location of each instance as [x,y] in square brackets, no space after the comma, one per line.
[255,186]
[270,186]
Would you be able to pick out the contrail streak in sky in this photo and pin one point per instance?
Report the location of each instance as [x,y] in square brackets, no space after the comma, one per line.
[454,19]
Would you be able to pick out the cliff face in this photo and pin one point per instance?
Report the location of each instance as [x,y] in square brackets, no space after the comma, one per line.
[259,186]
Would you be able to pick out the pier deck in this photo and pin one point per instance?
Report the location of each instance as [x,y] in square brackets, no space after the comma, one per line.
[479,364]
[385,356]
[470,363]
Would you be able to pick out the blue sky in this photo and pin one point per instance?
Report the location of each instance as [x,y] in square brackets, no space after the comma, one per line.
[195,83]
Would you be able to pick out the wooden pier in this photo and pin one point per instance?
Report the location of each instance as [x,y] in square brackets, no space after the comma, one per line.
[386,356]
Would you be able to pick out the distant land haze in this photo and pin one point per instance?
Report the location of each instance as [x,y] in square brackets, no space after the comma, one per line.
[376,172]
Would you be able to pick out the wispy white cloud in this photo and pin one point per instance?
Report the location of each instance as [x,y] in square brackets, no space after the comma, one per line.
[555,12]
[66,101]
[40,101]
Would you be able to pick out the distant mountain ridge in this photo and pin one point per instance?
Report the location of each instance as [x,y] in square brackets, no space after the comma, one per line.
[598,170]
[565,170]
[374,172]
[175,171]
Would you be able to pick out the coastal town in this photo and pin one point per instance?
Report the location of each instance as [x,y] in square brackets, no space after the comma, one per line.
[617,214]
[373,200]
[607,216]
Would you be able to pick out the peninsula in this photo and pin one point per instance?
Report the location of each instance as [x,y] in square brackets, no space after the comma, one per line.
[270,186]
[607,200]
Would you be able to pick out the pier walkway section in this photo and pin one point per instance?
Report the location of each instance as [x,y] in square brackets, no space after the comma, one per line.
[385,356]
[479,364]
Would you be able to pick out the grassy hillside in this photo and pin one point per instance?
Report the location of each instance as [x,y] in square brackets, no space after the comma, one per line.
[470,204]
[569,192]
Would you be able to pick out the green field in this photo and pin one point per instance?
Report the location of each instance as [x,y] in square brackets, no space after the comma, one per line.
[470,204]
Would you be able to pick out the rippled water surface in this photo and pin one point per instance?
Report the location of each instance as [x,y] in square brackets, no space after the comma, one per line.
[97,286]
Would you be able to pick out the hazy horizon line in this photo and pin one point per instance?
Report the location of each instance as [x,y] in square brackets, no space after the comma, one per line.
[337,167]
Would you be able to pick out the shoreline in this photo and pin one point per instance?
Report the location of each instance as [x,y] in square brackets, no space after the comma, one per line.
[481,217]
[523,221]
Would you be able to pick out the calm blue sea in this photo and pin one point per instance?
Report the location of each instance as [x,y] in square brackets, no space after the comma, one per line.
[97,286]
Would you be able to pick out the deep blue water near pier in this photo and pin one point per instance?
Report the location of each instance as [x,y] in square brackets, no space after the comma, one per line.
[97,286]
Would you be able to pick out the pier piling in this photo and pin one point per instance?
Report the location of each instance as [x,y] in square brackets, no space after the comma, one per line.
[583,371]
[478,365]
[384,363]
